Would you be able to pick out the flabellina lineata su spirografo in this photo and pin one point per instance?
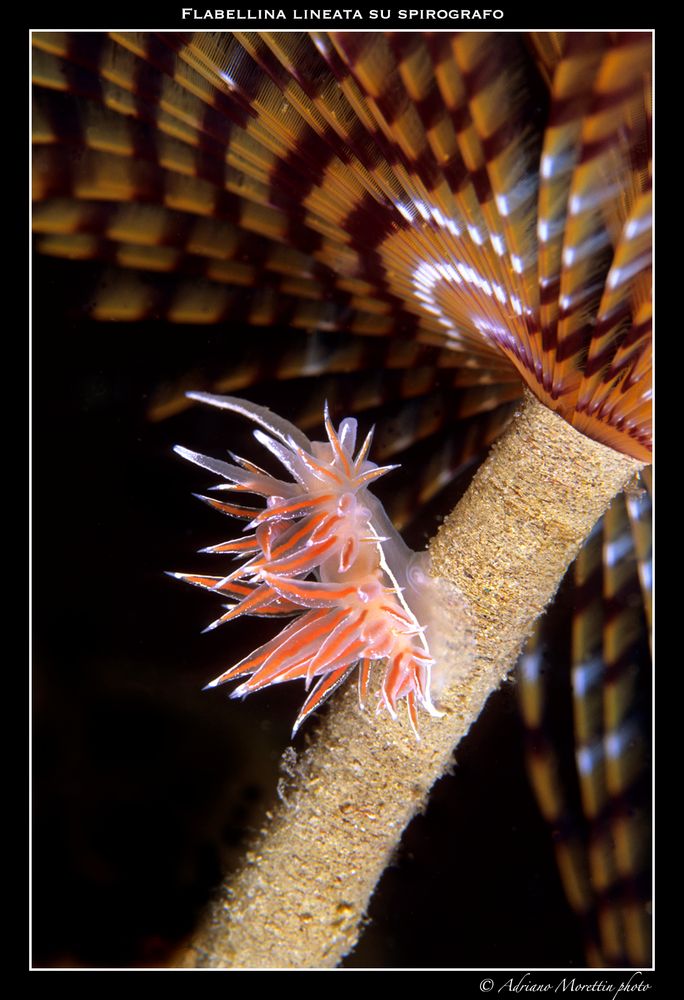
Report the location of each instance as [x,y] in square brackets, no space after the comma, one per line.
[323,552]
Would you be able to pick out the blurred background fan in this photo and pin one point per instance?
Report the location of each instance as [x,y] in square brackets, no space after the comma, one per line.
[413,227]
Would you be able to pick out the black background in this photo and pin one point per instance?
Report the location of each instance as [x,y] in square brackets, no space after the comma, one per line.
[144,785]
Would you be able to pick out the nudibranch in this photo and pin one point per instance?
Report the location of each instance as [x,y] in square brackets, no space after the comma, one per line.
[324,553]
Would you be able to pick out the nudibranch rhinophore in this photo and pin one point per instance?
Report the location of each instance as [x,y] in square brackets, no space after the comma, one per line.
[324,553]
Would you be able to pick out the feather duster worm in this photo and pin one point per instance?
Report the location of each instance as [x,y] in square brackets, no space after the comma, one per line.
[323,550]
[435,220]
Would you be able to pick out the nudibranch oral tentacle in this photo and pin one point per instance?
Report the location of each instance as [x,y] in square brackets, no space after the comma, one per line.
[322,549]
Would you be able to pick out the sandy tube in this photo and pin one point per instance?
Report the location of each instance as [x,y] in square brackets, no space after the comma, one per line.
[303,888]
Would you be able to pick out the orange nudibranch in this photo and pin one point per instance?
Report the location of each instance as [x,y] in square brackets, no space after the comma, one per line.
[323,552]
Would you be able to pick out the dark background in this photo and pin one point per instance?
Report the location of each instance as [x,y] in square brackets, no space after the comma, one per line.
[144,786]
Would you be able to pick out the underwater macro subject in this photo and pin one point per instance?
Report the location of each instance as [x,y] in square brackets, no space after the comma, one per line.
[418,267]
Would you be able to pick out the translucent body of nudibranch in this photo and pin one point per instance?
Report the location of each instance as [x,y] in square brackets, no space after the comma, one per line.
[323,552]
